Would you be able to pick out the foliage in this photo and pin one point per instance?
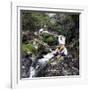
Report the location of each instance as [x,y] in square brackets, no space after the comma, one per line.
[66,24]
[49,39]
[28,48]
[33,20]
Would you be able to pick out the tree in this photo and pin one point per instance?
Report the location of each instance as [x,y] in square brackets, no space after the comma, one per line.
[33,20]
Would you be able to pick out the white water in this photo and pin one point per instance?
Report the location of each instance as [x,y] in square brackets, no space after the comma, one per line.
[46,58]
[32,72]
[41,61]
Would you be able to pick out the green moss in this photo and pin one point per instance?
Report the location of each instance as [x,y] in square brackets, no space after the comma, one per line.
[28,48]
[50,39]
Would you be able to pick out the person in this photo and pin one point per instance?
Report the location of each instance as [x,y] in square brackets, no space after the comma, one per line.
[61,49]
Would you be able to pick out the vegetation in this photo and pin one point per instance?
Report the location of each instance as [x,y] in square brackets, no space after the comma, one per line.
[29,48]
[66,24]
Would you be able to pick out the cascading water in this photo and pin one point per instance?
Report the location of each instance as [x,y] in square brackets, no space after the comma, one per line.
[41,62]
[32,71]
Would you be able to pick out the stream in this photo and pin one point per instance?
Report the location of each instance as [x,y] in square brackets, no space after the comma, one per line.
[40,64]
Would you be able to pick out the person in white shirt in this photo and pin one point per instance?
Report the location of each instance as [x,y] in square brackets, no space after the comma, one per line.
[61,50]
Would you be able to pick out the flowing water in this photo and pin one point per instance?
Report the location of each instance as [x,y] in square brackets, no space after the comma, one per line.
[45,59]
[41,62]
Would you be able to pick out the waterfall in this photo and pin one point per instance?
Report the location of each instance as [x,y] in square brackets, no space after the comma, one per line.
[41,62]
[32,72]
[46,57]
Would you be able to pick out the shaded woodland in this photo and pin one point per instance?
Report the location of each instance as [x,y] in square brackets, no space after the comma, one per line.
[34,46]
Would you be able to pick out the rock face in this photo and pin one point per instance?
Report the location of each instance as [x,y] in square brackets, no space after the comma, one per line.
[39,49]
[57,66]
[61,67]
[25,65]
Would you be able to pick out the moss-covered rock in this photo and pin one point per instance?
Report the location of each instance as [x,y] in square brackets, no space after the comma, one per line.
[29,48]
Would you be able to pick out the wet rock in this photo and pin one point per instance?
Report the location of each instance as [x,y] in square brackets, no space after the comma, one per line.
[25,66]
[65,67]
